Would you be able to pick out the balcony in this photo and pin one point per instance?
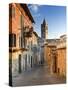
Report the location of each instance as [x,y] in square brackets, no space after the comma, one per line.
[11,50]
[28,32]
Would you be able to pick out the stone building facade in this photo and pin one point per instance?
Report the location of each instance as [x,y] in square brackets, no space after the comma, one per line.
[40,47]
[61,56]
[55,55]
[35,48]
[20,33]
[50,54]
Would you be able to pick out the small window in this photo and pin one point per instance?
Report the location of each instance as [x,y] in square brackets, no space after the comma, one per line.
[13,11]
[20,42]
[10,12]
[12,40]
[21,22]
[20,63]
[29,59]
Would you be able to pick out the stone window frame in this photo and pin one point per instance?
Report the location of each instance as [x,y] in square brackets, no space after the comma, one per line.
[12,40]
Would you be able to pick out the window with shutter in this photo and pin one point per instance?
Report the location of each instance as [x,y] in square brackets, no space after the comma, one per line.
[20,42]
[21,22]
[12,40]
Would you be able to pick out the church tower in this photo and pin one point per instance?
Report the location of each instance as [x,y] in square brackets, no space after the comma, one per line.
[44,30]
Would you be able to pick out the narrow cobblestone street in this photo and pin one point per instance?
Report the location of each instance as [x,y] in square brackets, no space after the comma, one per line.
[39,75]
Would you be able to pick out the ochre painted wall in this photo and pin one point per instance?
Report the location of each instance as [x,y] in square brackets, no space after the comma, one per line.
[61,61]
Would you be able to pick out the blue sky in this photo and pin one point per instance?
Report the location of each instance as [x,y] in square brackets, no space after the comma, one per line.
[55,17]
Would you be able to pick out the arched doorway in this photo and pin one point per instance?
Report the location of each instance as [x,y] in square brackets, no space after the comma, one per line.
[55,64]
[19,63]
[31,61]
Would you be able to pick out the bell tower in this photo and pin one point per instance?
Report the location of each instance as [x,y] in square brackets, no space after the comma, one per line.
[44,30]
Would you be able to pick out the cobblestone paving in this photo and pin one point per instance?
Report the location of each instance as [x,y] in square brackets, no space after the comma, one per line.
[39,75]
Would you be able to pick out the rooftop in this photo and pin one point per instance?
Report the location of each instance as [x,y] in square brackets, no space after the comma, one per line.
[25,7]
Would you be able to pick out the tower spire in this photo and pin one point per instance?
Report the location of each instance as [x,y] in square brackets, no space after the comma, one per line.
[44,29]
[44,21]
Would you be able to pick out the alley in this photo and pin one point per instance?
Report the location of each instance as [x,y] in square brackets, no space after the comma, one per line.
[39,75]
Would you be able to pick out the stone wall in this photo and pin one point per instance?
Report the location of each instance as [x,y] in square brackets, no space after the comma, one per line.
[19,66]
[55,55]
